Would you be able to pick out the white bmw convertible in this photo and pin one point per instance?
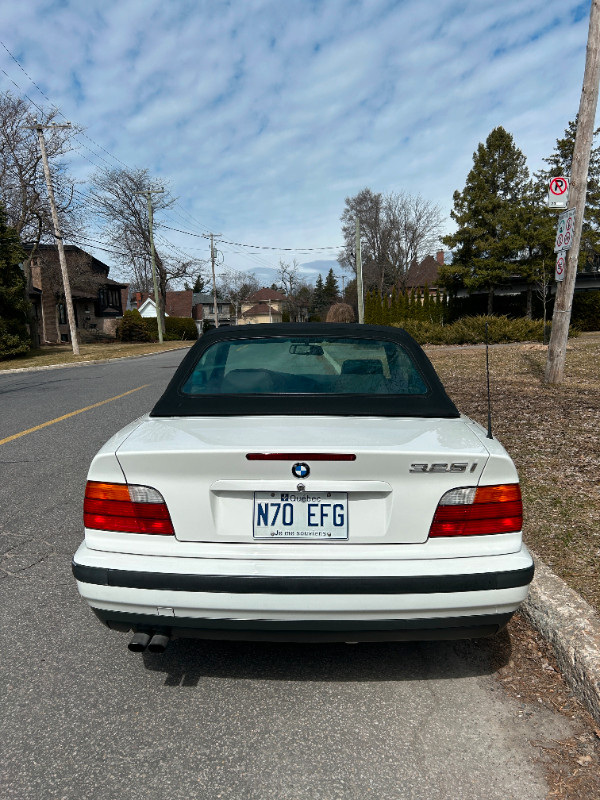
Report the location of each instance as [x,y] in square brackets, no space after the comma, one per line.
[303,482]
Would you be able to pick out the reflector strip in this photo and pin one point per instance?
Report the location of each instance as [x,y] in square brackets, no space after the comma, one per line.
[301,457]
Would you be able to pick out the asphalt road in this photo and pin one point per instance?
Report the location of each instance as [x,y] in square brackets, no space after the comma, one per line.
[82,717]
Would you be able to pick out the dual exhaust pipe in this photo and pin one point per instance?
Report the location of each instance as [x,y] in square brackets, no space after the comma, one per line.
[154,643]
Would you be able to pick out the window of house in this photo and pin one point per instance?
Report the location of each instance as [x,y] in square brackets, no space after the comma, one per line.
[62,314]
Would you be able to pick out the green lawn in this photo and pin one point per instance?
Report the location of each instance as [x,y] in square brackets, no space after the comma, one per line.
[63,354]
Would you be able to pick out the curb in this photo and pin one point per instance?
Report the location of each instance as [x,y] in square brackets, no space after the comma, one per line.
[572,628]
[85,363]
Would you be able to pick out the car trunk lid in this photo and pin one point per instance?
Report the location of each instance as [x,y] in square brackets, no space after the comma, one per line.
[387,493]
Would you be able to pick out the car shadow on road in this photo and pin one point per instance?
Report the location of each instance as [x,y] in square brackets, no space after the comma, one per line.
[187,662]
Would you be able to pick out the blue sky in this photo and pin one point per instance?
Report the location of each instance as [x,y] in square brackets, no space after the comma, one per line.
[262,116]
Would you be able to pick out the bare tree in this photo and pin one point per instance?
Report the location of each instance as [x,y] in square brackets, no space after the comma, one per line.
[396,230]
[237,286]
[22,184]
[297,291]
[118,198]
[288,276]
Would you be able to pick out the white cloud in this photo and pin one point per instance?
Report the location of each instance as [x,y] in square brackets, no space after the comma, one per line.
[264,116]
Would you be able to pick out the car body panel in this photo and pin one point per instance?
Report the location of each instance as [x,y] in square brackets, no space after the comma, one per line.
[180,458]
[387,580]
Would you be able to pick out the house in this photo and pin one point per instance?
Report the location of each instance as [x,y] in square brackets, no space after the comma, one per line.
[266,305]
[178,303]
[98,301]
[203,310]
[425,273]
[186,303]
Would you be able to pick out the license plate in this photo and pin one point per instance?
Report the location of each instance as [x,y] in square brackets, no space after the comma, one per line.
[300,515]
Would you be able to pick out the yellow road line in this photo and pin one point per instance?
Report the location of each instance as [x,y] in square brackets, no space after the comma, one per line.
[72,414]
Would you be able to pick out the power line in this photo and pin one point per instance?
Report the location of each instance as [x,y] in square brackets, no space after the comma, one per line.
[259,246]
[59,112]
[299,250]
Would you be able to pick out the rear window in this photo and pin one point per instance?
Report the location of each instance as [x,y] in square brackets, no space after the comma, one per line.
[305,365]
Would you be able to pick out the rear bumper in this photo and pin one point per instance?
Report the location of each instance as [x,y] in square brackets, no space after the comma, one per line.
[398,600]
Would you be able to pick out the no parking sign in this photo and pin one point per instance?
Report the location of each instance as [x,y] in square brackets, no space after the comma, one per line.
[561,262]
[558,192]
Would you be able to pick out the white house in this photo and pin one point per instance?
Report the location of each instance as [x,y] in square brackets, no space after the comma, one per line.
[148,308]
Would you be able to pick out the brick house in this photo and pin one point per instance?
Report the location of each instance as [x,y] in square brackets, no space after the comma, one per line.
[98,301]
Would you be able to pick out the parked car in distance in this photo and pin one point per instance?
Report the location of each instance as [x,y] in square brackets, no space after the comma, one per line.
[303,482]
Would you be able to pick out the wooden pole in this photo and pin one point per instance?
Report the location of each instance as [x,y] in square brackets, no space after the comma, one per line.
[557,350]
[58,236]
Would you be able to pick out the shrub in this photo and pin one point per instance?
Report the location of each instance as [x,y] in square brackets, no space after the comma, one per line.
[176,329]
[132,328]
[340,312]
[586,311]
[180,328]
[13,343]
[471,330]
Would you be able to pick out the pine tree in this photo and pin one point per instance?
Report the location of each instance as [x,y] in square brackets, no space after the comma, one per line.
[14,338]
[487,243]
[559,163]
[318,301]
[331,289]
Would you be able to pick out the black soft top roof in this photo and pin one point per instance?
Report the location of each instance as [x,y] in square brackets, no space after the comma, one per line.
[434,403]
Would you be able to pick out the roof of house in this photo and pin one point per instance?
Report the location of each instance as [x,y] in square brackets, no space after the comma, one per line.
[206,297]
[424,273]
[259,308]
[265,294]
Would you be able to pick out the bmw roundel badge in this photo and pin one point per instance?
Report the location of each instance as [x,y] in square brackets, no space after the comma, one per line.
[301,470]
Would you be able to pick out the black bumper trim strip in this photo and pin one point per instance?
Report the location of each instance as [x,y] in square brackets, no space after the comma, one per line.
[439,628]
[294,585]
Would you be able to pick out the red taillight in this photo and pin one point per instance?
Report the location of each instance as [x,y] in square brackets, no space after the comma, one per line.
[127,509]
[476,512]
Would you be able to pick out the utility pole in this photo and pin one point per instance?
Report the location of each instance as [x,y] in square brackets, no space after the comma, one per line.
[159,316]
[359,277]
[557,350]
[58,236]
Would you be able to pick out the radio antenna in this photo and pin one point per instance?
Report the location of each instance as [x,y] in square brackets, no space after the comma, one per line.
[487,373]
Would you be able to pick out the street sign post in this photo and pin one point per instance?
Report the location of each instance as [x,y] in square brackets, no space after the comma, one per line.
[564,232]
[558,193]
[561,262]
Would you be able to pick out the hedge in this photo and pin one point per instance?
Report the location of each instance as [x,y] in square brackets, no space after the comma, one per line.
[471,330]
[135,328]
[586,310]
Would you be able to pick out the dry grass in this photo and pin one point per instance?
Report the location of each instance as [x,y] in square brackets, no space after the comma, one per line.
[63,354]
[553,435]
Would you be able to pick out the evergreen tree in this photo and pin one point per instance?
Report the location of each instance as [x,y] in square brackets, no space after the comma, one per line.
[486,243]
[201,284]
[559,163]
[14,338]
[537,231]
[331,290]
[318,301]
